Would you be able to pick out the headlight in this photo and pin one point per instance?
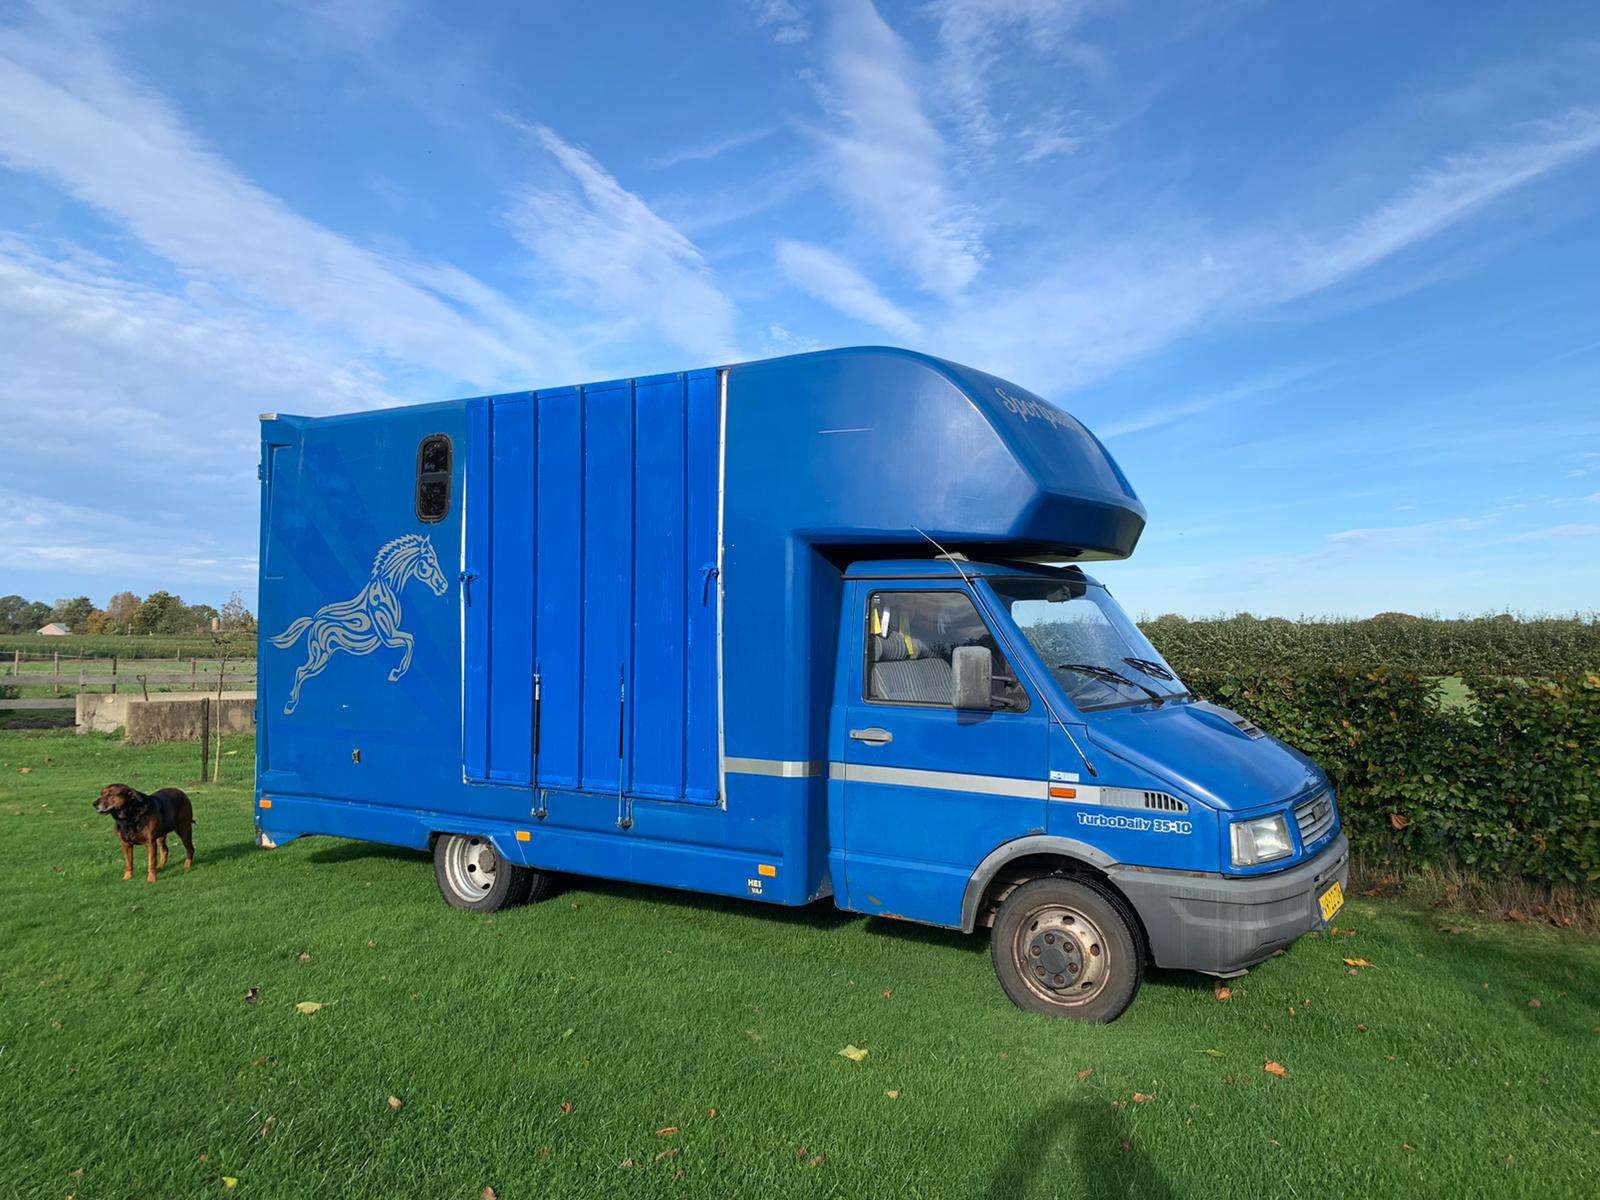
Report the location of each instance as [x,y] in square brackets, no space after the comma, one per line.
[1261,840]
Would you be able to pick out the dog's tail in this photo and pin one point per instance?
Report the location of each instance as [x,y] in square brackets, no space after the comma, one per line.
[292,634]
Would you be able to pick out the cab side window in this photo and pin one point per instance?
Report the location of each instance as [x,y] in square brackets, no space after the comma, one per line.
[911,640]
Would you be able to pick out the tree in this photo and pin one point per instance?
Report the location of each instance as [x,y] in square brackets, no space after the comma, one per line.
[161,612]
[97,622]
[35,614]
[236,618]
[197,618]
[11,613]
[120,612]
[73,613]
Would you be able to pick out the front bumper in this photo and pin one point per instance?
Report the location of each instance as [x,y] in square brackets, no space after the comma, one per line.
[1222,925]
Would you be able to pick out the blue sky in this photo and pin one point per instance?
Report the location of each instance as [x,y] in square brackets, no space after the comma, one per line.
[1324,277]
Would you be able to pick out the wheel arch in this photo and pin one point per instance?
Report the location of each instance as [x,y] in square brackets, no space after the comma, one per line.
[1035,857]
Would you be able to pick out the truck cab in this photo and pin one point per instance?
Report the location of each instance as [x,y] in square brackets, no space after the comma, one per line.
[1009,750]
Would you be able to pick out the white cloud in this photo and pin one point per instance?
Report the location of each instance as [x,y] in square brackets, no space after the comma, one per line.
[838,283]
[1111,299]
[607,247]
[68,115]
[972,44]
[1440,197]
[1165,414]
[889,160]
[1556,533]
[784,20]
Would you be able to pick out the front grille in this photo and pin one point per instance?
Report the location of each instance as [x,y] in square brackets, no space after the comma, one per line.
[1115,797]
[1315,817]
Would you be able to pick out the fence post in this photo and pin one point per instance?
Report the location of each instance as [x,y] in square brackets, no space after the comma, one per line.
[205,737]
[16,662]
[56,670]
[113,674]
[192,675]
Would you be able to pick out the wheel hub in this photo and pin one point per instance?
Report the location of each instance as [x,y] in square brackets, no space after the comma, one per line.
[1063,954]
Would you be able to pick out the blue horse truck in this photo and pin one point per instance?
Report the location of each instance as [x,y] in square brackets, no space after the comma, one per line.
[782,630]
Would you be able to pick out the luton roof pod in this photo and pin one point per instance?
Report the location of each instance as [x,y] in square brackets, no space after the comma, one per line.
[872,452]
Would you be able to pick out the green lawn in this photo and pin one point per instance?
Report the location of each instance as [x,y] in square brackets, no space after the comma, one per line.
[541,1050]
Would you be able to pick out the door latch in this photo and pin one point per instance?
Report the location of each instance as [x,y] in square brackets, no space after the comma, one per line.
[873,736]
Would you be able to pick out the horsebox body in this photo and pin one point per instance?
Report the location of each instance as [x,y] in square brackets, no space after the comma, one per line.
[629,669]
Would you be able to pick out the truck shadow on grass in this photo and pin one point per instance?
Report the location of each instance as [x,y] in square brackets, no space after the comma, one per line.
[1109,1161]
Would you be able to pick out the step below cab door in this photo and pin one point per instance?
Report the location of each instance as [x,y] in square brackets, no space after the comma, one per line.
[928,789]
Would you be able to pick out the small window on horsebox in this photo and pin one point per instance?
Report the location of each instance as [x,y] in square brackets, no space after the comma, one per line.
[433,479]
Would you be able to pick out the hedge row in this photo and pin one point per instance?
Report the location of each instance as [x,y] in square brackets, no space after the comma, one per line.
[1498,645]
[1503,777]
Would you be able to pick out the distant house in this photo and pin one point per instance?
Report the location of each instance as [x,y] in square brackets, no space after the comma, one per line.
[55,629]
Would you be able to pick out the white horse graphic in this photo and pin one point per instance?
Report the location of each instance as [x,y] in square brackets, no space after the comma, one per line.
[371,618]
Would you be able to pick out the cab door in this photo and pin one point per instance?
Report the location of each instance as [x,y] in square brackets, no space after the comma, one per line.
[927,789]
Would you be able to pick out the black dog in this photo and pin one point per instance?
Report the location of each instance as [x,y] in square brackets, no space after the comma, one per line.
[146,820]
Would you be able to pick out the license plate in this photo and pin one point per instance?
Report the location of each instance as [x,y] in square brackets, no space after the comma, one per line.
[1331,901]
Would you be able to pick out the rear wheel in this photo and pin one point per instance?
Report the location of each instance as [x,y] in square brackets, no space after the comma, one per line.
[1065,947]
[471,874]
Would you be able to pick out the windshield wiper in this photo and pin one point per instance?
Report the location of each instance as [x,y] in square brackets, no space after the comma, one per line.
[1107,675]
[1150,667]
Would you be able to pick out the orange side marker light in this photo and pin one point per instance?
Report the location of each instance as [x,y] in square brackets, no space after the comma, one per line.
[1063,793]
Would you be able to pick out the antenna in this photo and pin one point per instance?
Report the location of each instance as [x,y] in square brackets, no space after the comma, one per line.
[955,560]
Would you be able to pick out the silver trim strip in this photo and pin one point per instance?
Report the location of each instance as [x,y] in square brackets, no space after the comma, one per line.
[949,781]
[722,483]
[781,768]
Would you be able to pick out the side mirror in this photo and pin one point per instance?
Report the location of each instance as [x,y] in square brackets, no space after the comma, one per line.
[972,676]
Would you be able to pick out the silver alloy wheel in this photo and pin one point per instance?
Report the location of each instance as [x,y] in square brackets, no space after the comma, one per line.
[1061,955]
[469,866]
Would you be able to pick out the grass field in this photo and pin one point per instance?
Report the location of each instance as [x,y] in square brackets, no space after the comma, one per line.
[623,1041]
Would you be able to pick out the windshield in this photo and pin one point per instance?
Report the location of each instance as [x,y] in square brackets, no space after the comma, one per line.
[1097,654]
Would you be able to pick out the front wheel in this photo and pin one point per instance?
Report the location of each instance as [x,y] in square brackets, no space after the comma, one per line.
[471,874]
[1066,948]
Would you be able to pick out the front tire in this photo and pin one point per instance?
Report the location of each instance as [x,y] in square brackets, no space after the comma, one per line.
[472,875]
[1066,948]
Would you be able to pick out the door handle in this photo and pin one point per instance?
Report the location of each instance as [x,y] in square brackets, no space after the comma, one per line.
[873,736]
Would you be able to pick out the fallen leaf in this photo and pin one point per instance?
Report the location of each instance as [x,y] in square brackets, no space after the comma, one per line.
[1141,1098]
[1273,1068]
[1276,1142]
[266,1126]
[669,1152]
[304,957]
[25,771]
[625,1163]
[543,1152]
[679,1175]
[489,1194]
[250,996]
[1361,1028]
[1126,1145]
[1406,1146]
[230,1182]
[56,1025]
[1515,914]
[853,1053]
[712,1113]
[667,1131]
[1222,991]
[1118,1106]
[133,908]
[307,1007]
[1306,1003]
[1227,1079]
[566,1107]
[1397,822]
[817,1160]
[1212,1053]
[396,1103]
[887,995]
[203,1158]
[1534,1003]
[371,945]
[1356,962]
[1084,1074]
[77,1174]
[566,1033]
